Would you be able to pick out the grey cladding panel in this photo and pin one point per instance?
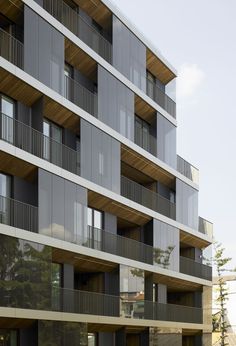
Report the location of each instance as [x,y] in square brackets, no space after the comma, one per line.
[115,104]
[129,54]
[100,157]
[31,42]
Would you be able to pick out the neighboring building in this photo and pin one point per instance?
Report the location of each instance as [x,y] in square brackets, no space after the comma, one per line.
[100,238]
[230,305]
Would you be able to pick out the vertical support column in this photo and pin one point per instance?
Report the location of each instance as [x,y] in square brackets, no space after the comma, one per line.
[68,285]
[148,296]
[120,337]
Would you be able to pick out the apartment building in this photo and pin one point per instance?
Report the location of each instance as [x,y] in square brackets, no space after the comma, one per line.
[100,238]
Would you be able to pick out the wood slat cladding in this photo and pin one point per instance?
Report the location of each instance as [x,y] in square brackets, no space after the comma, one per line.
[15,166]
[17,89]
[158,68]
[60,115]
[192,240]
[144,110]
[12,9]
[80,60]
[82,263]
[97,10]
[106,204]
[176,284]
[145,166]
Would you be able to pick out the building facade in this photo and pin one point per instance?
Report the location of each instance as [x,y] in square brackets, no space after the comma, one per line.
[100,238]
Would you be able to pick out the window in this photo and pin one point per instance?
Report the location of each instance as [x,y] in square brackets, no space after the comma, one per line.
[7,118]
[68,73]
[142,133]
[52,150]
[95,223]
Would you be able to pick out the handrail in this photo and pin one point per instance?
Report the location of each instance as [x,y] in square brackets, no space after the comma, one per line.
[187,169]
[205,226]
[11,49]
[18,214]
[36,143]
[190,267]
[140,194]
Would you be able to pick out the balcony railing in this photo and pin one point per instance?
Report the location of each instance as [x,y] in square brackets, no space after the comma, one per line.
[18,214]
[190,267]
[50,298]
[80,96]
[152,200]
[34,142]
[44,297]
[188,170]
[144,309]
[11,49]
[161,98]
[205,227]
[71,19]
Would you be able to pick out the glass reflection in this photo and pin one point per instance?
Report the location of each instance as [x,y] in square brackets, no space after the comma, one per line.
[8,337]
[131,292]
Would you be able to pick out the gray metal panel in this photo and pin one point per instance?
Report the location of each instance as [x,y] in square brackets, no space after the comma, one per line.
[166,141]
[162,293]
[44,34]
[186,204]
[58,207]
[129,54]
[115,166]
[86,149]
[25,191]
[105,338]
[37,115]
[68,276]
[70,201]
[57,61]
[69,138]
[115,104]
[23,113]
[100,157]
[31,42]
[110,223]
[81,225]
[166,241]
[45,202]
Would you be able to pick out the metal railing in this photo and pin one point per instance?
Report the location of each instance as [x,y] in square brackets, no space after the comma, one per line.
[152,200]
[11,49]
[80,95]
[34,142]
[191,267]
[41,296]
[150,144]
[188,170]
[18,214]
[71,19]
[144,309]
[205,226]
[161,98]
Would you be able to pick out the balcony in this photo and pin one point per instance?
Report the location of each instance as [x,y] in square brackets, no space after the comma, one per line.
[205,227]
[149,199]
[188,170]
[159,96]
[40,296]
[34,142]
[11,49]
[190,267]
[78,26]
[149,143]
[17,214]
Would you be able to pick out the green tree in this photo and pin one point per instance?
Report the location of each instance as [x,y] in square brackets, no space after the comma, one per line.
[221,262]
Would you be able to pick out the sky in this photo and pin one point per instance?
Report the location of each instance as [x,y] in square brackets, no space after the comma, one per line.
[198,37]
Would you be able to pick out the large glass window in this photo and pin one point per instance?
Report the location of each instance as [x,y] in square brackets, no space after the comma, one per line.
[52,150]
[8,337]
[7,115]
[142,133]
[95,223]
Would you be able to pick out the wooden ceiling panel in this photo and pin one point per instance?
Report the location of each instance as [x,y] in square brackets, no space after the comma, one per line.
[80,60]
[176,284]
[12,9]
[158,68]
[15,166]
[147,167]
[144,110]
[97,10]
[106,204]
[192,240]
[17,89]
